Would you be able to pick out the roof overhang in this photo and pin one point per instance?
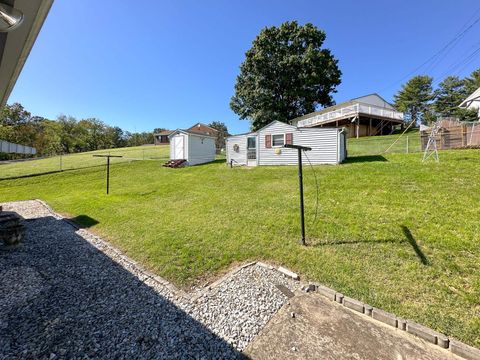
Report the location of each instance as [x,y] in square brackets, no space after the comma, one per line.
[15,45]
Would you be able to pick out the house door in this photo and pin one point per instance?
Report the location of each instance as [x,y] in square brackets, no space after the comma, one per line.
[178,147]
[251,151]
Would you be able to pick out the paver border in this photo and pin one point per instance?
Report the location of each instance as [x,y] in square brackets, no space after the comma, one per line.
[456,347]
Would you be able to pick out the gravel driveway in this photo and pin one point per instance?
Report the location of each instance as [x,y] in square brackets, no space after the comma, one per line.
[65,293]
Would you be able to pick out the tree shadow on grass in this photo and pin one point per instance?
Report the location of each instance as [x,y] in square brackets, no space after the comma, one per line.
[75,301]
[364,158]
[409,238]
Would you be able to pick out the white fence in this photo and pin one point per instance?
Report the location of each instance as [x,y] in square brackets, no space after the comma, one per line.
[351,110]
[11,148]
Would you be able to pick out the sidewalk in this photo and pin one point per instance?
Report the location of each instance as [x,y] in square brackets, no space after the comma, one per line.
[313,327]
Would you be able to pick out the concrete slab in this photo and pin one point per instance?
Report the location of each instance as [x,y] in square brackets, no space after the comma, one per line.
[324,329]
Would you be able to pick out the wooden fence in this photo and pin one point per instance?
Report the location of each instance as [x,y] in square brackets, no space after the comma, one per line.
[454,135]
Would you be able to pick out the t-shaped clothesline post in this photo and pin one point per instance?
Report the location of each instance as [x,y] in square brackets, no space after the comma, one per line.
[300,183]
[108,167]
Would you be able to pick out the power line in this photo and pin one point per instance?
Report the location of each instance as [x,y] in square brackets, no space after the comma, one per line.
[435,56]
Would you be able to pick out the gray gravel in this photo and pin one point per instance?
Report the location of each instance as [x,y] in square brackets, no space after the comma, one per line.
[65,293]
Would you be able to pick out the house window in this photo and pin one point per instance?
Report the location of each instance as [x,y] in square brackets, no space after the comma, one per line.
[278,140]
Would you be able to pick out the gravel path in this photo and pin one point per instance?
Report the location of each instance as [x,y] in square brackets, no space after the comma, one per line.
[65,293]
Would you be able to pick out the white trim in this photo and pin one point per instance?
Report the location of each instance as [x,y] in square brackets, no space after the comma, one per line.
[278,146]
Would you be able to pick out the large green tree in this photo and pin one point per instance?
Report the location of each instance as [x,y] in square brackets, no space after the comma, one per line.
[414,98]
[472,82]
[286,73]
[450,93]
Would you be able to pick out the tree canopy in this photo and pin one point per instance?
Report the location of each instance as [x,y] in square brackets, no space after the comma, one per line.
[421,103]
[286,73]
[66,134]
[414,98]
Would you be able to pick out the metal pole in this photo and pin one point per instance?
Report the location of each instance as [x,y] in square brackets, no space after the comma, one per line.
[108,173]
[300,183]
[407,144]
[61,164]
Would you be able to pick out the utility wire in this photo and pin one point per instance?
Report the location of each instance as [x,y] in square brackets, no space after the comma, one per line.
[435,56]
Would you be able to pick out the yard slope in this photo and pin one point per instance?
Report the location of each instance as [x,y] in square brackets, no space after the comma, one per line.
[392,231]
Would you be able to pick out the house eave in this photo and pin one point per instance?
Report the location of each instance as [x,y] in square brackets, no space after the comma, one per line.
[18,43]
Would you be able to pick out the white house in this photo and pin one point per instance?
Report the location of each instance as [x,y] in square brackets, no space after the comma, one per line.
[265,146]
[472,102]
[368,115]
[193,147]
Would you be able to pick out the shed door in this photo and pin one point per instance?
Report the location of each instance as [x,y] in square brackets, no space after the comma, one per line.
[178,147]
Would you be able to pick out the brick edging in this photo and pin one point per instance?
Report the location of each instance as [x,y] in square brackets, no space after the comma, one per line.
[456,347]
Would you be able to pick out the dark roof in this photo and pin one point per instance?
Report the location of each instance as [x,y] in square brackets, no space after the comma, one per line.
[193,128]
[164,132]
[192,132]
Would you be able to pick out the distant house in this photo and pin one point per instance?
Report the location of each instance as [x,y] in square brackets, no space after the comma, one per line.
[162,138]
[265,146]
[368,115]
[472,102]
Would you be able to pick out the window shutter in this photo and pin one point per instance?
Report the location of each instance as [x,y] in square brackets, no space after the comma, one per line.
[289,138]
[268,141]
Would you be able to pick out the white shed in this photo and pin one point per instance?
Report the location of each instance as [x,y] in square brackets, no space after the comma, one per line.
[193,147]
[265,146]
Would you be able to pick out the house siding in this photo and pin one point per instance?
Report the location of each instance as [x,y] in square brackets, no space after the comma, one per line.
[323,141]
[328,146]
[239,157]
[200,149]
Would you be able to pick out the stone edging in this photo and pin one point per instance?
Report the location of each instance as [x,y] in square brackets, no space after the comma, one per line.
[456,347]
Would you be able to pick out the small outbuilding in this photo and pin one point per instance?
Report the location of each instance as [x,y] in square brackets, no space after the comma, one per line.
[266,145]
[194,148]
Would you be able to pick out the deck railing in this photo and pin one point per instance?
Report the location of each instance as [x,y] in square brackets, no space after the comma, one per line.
[351,110]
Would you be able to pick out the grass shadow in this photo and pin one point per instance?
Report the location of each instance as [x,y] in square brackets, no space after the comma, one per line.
[48,172]
[216,161]
[84,221]
[408,235]
[406,232]
[364,158]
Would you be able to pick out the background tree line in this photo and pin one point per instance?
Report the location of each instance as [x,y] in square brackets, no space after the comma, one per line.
[421,103]
[65,135]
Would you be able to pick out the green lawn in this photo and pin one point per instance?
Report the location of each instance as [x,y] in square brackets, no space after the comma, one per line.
[81,160]
[391,231]
[397,143]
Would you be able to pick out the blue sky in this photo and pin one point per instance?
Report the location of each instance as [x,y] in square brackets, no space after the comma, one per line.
[172,63]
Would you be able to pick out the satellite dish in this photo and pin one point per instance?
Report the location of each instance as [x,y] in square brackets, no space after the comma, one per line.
[10,18]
